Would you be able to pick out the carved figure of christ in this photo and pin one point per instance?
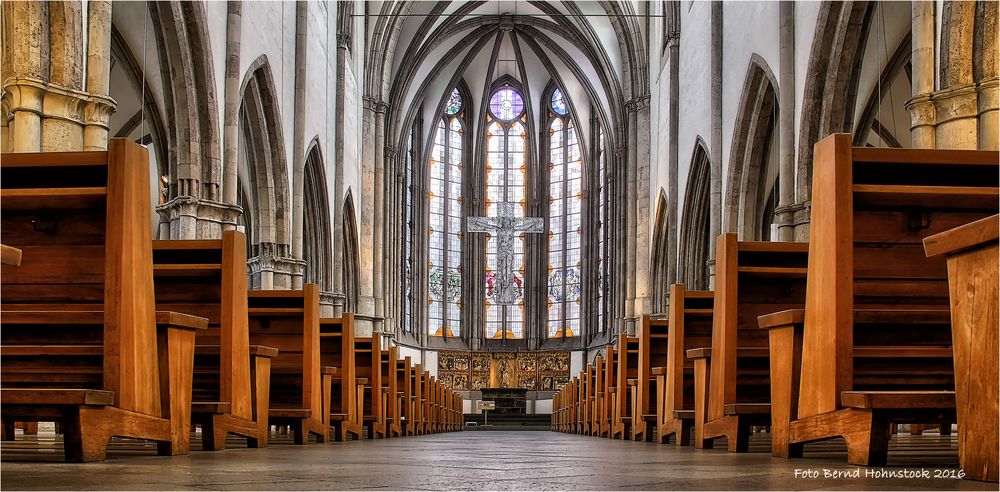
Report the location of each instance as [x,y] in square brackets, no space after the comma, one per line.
[504,227]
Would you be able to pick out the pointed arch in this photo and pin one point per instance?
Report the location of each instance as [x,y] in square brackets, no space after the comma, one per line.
[187,69]
[695,230]
[661,255]
[351,261]
[263,174]
[317,250]
[753,166]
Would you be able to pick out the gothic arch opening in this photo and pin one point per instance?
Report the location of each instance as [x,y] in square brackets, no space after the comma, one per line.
[753,168]
[660,258]
[352,265]
[695,235]
[316,247]
[262,170]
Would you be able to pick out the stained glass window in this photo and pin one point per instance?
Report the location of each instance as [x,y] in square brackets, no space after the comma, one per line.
[505,181]
[506,104]
[559,105]
[445,234]
[408,239]
[602,232]
[454,102]
[565,228]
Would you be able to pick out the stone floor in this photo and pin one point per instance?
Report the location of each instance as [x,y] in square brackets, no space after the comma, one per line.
[485,460]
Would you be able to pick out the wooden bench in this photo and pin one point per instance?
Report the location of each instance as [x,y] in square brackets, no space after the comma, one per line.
[82,343]
[419,400]
[368,365]
[607,398]
[751,279]
[289,321]
[390,367]
[232,379]
[404,381]
[689,325]
[973,275]
[653,350]
[336,342]
[598,394]
[627,373]
[873,346]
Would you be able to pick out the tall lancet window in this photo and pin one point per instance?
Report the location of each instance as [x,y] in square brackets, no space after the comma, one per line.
[565,224]
[445,232]
[506,136]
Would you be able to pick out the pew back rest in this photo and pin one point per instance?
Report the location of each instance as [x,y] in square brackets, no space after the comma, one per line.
[689,321]
[289,321]
[751,278]
[367,364]
[207,278]
[337,350]
[83,222]
[653,349]
[870,210]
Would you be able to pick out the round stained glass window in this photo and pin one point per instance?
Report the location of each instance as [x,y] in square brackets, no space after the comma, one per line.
[559,103]
[454,104]
[506,104]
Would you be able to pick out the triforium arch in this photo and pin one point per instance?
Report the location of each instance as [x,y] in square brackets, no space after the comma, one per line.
[695,239]
[317,251]
[753,168]
[181,33]
[661,256]
[263,178]
[351,261]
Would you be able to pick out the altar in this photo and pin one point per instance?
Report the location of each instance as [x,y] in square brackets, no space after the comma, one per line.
[508,401]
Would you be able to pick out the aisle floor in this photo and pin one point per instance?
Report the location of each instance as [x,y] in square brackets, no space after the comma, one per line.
[485,460]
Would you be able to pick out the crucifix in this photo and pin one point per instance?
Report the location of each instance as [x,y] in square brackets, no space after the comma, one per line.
[504,225]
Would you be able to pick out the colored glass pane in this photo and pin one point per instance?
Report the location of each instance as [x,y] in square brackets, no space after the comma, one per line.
[506,104]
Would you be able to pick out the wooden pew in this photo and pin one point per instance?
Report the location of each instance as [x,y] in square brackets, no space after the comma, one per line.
[751,279]
[368,365]
[973,275]
[10,255]
[653,350]
[336,341]
[231,378]
[627,374]
[81,343]
[873,346]
[300,385]
[608,397]
[595,404]
[419,401]
[689,325]
[405,382]
[390,366]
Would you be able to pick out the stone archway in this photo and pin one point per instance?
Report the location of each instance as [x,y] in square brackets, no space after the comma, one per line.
[351,262]
[317,250]
[660,259]
[695,234]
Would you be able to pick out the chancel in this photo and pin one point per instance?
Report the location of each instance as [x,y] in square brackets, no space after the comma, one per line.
[508,243]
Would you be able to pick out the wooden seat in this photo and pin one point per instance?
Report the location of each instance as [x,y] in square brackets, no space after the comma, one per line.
[389,365]
[971,251]
[752,278]
[627,368]
[368,365]
[208,278]
[82,220]
[346,394]
[289,321]
[689,326]
[653,350]
[870,285]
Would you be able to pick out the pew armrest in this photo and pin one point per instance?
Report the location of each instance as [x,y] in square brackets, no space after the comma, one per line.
[781,319]
[170,319]
[699,353]
[263,351]
[659,371]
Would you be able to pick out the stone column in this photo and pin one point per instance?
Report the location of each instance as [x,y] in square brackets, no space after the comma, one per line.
[786,122]
[673,160]
[378,230]
[97,111]
[343,46]
[366,252]
[25,47]
[231,111]
[298,133]
[715,141]
[922,114]
[642,299]
[631,209]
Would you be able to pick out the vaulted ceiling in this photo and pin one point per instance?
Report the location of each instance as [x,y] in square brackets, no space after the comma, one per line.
[593,51]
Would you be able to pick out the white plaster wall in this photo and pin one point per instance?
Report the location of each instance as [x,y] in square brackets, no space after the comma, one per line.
[415,355]
[431,362]
[576,362]
[695,95]
[543,407]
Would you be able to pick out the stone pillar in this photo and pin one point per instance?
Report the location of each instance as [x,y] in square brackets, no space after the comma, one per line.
[25,48]
[97,111]
[339,297]
[715,141]
[631,199]
[366,252]
[642,299]
[231,111]
[673,160]
[989,123]
[786,122]
[298,133]
[378,229]
[922,117]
